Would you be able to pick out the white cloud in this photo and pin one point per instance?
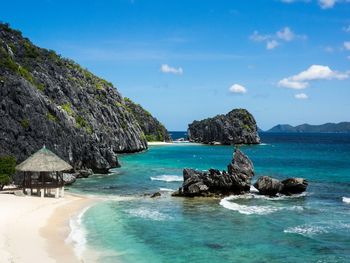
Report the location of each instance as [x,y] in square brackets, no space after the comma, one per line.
[285,34]
[272,40]
[271,44]
[301,96]
[258,37]
[314,72]
[165,68]
[347,45]
[325,4]
[239,89]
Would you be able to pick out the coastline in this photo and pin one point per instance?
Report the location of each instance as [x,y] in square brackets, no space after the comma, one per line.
[35,229]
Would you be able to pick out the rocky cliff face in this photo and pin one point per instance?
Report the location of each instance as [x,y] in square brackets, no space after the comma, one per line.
[45,99]
[236,127]
[151,127]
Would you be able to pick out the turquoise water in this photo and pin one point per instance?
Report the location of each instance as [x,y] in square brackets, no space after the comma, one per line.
[314,227]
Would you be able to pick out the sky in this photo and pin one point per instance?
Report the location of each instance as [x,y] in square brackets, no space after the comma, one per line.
[286,61]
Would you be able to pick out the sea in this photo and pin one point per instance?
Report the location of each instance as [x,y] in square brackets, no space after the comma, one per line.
[126,225]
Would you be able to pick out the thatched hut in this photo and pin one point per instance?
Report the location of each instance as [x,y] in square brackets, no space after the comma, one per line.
[43,172]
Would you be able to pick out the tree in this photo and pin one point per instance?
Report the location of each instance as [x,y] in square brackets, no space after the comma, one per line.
[7,169]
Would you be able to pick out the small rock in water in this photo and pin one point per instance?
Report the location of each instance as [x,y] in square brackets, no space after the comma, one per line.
[294,186]
[156,194]
[214,245]
[268,186]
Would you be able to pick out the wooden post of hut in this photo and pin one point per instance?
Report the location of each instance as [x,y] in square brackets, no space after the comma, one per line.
[43,171]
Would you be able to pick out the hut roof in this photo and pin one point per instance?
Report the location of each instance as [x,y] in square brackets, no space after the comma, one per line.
[43,161]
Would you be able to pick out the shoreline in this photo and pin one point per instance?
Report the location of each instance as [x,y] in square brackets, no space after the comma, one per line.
[35,229]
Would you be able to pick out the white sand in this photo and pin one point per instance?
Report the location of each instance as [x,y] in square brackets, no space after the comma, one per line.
[159,143]
[34,229]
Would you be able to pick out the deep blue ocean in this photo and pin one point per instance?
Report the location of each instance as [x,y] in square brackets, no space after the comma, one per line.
[129,226]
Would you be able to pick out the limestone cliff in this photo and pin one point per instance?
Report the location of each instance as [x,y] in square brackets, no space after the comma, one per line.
[236,127]
[46,99]
[151,127]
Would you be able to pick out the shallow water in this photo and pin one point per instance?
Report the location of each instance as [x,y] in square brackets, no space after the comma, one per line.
[313,227]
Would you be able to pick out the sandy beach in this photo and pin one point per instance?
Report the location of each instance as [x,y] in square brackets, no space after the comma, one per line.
[34,229]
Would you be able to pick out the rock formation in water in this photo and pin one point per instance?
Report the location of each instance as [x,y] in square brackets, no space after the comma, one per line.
[151,127]
[48,100]
[236,127]
[236,180]
[269,186]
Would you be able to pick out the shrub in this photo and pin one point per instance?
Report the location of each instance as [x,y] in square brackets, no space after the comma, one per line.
[51,117]
[7,169]
[67,108]
[25,123]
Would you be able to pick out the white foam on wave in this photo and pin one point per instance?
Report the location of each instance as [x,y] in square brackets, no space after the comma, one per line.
[246,210]
[346,200]
[167,178]
[77,235]
[148,214]
[228,203]
[307,230]
[166,190]
[263,144]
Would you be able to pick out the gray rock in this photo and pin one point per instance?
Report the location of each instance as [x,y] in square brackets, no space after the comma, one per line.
[151,127]
[84,173]
[268,186]
[156,194]
[236,127]
[294,186]
[69,179]
[214,182]
[48,100]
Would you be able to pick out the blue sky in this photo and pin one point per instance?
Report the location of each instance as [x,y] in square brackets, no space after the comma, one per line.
[286,61]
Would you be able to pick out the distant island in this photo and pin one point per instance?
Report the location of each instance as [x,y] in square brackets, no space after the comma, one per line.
[341,127]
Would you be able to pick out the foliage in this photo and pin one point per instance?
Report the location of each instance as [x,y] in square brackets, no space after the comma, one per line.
[151,137]
[25,123]
[30,50]
[51,117]
[67,108]
[82,123]
[40,86]
[7,169]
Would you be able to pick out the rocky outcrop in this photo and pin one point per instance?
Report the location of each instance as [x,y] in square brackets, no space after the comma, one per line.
[269,186]
[69,179]
[236,127]
[294,186]
[151,127]
[236,181]
[48,100]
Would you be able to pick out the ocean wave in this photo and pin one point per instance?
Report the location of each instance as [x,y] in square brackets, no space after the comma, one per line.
[148,214]
[346,200]
[245,209]
[254,195]
[167,178]
[77,235]
[307,230]
[166,190]
[254,209]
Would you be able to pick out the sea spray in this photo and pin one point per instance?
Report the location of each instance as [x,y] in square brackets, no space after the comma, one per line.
[167,178]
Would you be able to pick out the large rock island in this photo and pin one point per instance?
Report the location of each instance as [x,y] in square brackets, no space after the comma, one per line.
[236,127]
[48,100]
[236,180]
